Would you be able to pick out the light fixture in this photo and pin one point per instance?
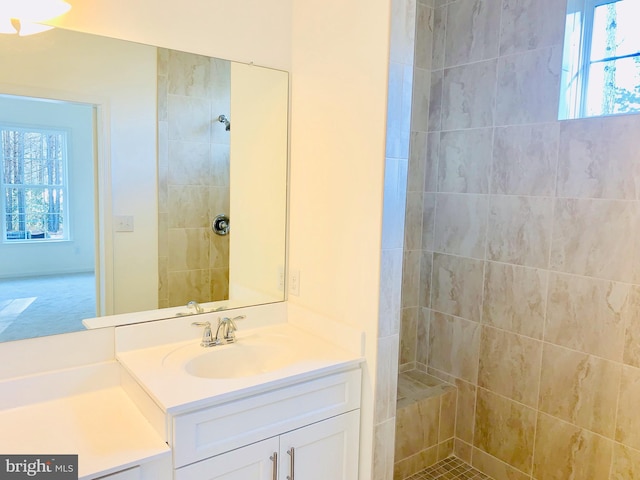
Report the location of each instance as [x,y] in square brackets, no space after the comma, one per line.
[25,17]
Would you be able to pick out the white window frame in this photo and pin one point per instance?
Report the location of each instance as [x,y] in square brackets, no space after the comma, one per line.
[64,186]
[576,107]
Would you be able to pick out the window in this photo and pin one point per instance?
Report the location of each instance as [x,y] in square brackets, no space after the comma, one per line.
[601,62]
[33,182]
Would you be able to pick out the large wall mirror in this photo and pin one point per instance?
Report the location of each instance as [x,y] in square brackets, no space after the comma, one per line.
[117,160]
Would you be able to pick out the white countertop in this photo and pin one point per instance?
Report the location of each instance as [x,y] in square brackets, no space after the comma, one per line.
[103,427]
[160,370]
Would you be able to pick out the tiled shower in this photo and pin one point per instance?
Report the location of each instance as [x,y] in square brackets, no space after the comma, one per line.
[193,166]
[521,270]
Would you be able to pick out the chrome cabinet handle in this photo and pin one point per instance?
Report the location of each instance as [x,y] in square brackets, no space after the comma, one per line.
[292,463]
[274,459]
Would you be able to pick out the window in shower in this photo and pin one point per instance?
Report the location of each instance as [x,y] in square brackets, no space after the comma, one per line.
[601,60]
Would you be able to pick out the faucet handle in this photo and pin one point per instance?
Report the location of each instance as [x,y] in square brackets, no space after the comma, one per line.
[207,336]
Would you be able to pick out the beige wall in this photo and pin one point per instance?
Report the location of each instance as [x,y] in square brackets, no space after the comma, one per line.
[258,197]
[522,273]
[339,87]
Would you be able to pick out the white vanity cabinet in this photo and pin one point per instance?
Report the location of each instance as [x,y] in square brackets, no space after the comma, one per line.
[327,449]
[311,427]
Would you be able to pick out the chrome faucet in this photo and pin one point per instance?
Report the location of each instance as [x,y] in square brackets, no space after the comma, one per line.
[227,327]
[207,336]
[225,333]
[196,305]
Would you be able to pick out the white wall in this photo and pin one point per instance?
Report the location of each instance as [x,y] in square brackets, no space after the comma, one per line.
[122,80]
[340,53]
[76,254]
[246,31]
[258,179]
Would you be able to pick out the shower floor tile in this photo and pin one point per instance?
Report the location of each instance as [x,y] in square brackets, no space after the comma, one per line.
[451,468]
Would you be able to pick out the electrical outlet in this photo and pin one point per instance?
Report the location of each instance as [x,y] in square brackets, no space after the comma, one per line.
[281,278]
[294,282]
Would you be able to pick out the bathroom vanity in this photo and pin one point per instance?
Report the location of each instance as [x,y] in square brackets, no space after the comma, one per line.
[282,402]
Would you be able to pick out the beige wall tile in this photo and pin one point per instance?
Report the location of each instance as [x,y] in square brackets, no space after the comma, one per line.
[383,441]
[422,340]
[519,230]
[428,220]
[424,36]
[403,21]
[413,221]
[525,159]
[529,86]
[420,102]
[431,166]
[439,36]
[417,161]
[435,100]
[445,449]
[219,164]
[564,451]
[505,429]
[394,202]
[632,330]
[461,224]
[188,285]
[465,160]
[628,421]
[626,463]
[606,168]
[580,389]
[386,378]
[417,427]
[581,245]
[218,250]
[408,335]
[454,346]
[465,410]
[497,469]
[188,206]
[448,403]
[531,24]
[390,300]
[189,74]
[473,28]
[407,467]
[411,278]
[457,286]
[462,450]
[588,314]
[219,284]
[189,119]
[188,249]
[515,298]
[467,98]
[510,365]
[426,266]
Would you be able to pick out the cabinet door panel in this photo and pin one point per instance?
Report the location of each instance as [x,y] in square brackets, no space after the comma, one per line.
[247,463]
[324,450]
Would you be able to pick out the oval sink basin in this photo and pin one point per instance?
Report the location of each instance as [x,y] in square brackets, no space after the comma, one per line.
[238,360]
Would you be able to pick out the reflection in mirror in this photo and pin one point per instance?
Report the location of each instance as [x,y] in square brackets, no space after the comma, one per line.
[176,139]
[601,59]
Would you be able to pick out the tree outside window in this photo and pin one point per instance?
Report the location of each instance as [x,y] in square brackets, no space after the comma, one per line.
[601,63]
[34,184]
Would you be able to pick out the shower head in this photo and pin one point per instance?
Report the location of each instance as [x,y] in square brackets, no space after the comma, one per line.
[225,120]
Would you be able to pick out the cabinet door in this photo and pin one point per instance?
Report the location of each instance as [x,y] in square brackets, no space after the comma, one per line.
[252,462]
[324,450]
